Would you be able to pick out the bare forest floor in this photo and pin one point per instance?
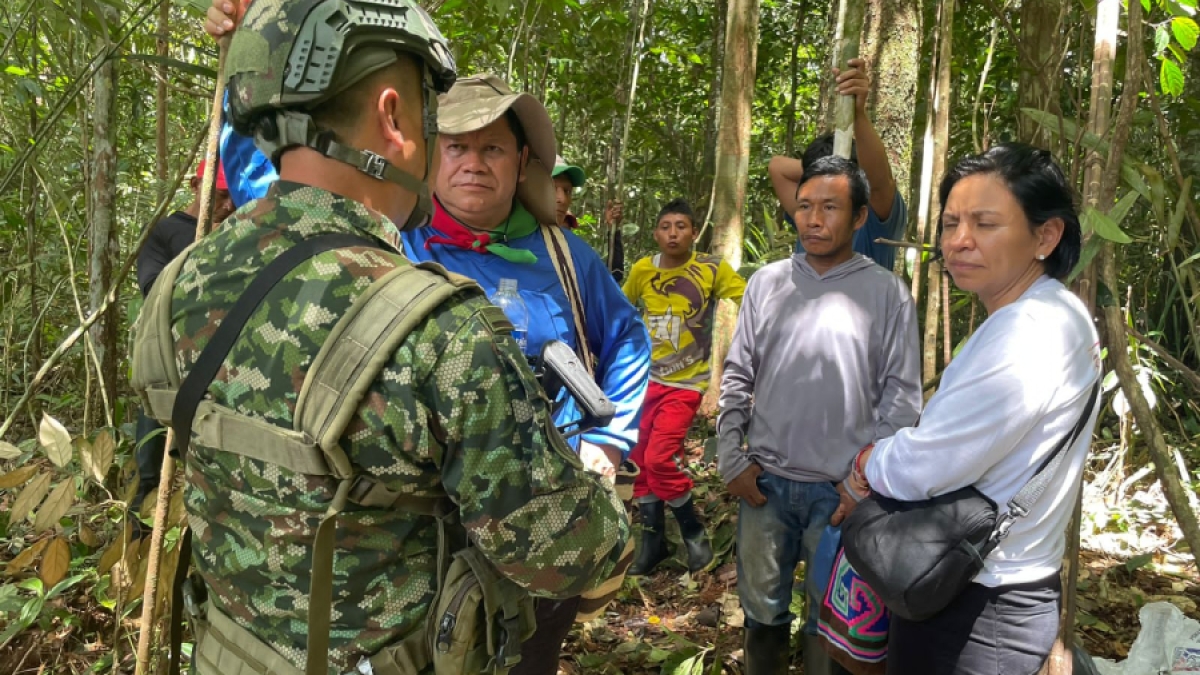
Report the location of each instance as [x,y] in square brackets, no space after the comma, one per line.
[669,623]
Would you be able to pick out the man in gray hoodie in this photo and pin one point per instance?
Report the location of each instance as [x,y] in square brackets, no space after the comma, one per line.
[824,361]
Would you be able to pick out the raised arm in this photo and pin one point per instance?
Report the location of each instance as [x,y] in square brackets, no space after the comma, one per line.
[785,173]
[872,156]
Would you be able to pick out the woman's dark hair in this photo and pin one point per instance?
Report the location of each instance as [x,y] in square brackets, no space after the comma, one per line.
[1039,186]
[680,206]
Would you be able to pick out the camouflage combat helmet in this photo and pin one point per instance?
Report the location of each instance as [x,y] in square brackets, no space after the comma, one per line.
[290,56]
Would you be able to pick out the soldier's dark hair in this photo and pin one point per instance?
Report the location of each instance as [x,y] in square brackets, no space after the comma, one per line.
[342,113]
[680,206]
[1038,184]
[822,146]
[860,190]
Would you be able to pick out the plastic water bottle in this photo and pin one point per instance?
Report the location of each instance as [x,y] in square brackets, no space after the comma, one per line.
[507,299]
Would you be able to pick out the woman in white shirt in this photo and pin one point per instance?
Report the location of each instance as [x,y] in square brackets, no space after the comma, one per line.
[1010,234]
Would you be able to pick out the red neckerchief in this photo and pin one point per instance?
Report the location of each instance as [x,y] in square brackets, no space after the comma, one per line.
[570,221]
[451,232]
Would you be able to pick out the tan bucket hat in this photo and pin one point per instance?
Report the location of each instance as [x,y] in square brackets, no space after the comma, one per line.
[477,101]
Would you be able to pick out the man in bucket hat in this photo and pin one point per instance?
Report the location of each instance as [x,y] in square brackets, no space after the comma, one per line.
[492,195]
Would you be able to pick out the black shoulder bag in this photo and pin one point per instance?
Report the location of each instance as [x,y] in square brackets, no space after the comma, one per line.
[918,556]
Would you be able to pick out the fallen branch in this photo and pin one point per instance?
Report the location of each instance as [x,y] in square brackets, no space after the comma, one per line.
[904,244]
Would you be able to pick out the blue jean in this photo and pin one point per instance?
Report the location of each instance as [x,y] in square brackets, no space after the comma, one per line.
[770,540]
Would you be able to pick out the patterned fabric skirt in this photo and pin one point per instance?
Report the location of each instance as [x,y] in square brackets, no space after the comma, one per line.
[854,623]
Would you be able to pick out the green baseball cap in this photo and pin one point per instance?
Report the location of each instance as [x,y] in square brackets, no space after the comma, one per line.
[575,174]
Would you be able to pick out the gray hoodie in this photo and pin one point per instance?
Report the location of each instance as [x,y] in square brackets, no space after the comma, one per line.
[820,366]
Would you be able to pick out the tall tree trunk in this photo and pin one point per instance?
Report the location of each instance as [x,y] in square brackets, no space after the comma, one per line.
[925,189]
[733,162]
[1114,320]
[160,99]
[716,54]
[31,234]
[1108,16]
[789,139]
[1040,53]
[941,144]
[105,246]
[892,49]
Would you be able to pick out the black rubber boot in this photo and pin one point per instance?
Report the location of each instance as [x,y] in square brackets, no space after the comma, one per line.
[699,551]
[653,548]
[767,649]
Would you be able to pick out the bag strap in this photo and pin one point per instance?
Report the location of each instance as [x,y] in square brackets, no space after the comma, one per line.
[196,384]
[564,265]
[1021,503]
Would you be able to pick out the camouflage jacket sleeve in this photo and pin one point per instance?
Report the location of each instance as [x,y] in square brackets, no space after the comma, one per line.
[522,493]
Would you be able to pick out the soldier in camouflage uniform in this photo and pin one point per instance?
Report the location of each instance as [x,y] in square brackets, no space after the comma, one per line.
[455,411]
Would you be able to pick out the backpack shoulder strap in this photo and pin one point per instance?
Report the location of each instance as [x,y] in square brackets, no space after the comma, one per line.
[362,343]
[564,265]
[208,364]
[356,350]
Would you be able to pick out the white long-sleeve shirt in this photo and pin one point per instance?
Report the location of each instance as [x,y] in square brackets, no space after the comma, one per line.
[1016,389]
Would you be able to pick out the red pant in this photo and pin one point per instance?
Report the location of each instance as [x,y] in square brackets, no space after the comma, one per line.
[666,417]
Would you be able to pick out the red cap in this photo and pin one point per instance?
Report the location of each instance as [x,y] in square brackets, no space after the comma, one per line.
[221,184]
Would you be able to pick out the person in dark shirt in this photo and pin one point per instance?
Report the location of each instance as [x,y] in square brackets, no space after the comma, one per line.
[168,239]
[177,231]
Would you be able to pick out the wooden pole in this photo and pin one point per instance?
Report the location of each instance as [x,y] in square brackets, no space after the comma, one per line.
[847,35]
[167,476]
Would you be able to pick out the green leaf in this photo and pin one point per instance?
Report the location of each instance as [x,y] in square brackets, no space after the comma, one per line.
[1146,5]
[1170,78]
[1102,225]
[1162,38]
[9,451]
[1186,32]
[17,70]
[1139,561]
[1090,249]
[1180,54]
[695,58]
[1121,208]
[56,440]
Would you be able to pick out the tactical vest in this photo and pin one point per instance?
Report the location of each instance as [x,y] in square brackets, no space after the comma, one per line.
[477,619]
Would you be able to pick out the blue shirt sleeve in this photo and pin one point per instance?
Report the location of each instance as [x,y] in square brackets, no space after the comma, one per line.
[621,344]
[247,170]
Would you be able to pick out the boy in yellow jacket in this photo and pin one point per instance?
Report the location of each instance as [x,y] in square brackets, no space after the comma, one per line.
[677,291]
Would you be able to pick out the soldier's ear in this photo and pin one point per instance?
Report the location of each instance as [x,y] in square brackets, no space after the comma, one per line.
[389,116]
